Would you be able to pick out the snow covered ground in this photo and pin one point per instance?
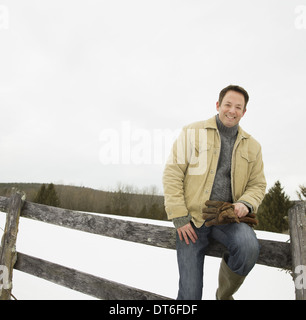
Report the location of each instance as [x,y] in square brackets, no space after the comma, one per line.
[145,267]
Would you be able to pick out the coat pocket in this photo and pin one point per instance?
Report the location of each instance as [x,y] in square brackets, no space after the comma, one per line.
[244,166]
[248,157]
[199,159]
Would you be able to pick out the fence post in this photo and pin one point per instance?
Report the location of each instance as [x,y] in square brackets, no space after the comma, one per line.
[297,227]
[8,253]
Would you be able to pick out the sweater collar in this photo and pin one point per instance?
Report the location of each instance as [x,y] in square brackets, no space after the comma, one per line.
[211,124]
[226,131]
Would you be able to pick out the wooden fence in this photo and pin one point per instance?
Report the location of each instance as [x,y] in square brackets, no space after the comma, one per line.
[272,253]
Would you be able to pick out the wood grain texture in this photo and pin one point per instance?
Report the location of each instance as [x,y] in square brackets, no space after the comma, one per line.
[81,281]
[297,225]
[272,253]
[8,253]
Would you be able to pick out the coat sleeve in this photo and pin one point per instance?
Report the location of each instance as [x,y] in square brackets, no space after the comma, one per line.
[173,178]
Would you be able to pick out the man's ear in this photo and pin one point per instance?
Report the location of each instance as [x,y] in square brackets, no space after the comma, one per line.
[217,105]
[244,112]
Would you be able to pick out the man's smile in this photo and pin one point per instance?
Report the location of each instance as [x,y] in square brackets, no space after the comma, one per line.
[230,117]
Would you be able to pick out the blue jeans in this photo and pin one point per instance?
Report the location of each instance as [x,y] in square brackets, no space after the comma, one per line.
[240,241]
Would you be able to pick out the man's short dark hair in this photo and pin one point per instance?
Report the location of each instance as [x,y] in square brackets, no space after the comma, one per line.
[234,88]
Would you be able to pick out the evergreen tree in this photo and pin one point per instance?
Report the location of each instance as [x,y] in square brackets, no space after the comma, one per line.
[47,196]
[41,195]
[273,211]
[302,193]
[52,198]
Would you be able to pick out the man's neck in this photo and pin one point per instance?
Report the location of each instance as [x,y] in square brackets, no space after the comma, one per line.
[224,130]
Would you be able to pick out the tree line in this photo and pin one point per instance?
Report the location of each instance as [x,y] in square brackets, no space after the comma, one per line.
[125,200]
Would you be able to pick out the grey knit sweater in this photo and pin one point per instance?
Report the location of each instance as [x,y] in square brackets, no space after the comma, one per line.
[221,189]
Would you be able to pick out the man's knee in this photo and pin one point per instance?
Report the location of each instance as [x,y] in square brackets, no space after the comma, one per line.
[244,251]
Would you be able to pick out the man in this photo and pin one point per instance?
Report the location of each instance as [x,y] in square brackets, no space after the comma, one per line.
[217,167]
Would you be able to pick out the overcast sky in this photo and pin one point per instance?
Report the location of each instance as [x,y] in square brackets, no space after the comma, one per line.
[77,77]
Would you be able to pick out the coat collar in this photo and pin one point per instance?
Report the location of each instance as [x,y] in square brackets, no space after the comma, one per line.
[212,124]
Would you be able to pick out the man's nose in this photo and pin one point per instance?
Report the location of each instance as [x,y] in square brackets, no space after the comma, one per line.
[232,110]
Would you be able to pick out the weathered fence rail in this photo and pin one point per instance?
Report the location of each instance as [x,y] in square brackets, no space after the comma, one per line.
[8,255]
[273,253]
[80,281]
[297,225]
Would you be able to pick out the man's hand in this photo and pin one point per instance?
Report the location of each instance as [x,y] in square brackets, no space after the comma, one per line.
[219,212]
[186,232]
[241,209]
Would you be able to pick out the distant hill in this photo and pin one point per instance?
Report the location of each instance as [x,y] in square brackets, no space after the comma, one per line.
[119,202]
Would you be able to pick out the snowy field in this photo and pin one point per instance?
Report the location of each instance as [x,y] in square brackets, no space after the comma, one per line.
[145,267]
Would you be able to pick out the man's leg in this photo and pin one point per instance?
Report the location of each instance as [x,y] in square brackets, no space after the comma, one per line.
[190,260]
[243,251]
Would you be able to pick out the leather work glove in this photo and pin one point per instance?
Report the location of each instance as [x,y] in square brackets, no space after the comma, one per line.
[219,212]
[249,219]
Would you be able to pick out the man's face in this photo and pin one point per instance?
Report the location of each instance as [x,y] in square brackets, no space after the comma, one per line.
[232,108]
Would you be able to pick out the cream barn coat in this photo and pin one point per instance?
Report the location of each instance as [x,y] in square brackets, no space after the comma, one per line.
[190,170]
